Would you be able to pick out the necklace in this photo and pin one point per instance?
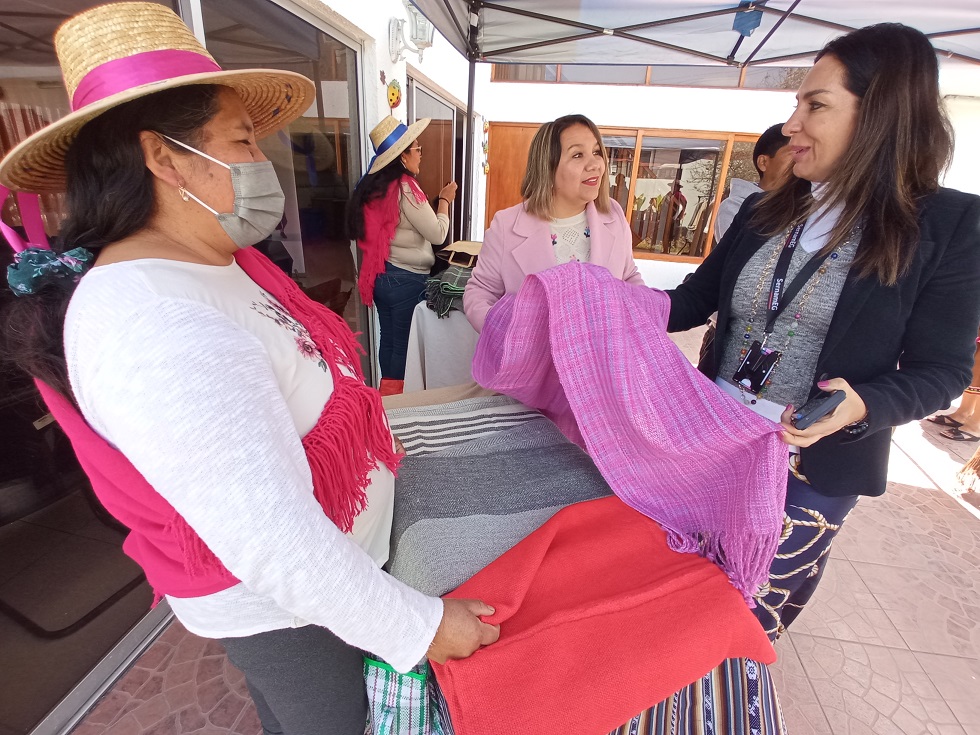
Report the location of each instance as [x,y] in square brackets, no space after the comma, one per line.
[776,282]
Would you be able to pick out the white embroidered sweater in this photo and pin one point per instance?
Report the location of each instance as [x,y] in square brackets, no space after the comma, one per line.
[207,386]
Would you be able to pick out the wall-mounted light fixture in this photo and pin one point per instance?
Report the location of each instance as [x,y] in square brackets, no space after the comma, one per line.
[420,34]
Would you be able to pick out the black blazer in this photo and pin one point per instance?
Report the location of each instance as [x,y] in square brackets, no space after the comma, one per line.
[906,349]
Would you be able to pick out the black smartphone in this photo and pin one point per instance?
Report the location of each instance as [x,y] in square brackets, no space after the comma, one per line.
[816,408]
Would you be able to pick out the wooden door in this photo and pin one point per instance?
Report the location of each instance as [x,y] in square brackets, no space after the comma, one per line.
[437,142]
[509,144]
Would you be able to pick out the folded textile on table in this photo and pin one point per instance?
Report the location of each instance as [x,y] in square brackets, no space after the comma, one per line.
[458,509]
[589,639]
[445,291]
[427,428]
[435,396]
[593,354]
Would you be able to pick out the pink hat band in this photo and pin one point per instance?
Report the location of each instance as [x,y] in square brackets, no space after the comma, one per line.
[148,67]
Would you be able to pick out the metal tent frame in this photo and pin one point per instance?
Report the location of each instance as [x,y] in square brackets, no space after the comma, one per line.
[684,32]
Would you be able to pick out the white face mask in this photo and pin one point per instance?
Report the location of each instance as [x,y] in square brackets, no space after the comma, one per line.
[259,200]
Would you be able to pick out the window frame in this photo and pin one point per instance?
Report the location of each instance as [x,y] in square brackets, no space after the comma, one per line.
[742,73]
[728,138]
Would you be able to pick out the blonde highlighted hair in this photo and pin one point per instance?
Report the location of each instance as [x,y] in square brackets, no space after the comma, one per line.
[538,188]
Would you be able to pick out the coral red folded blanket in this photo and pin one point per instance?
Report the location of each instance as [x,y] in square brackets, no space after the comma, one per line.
[593,354]
[599,620]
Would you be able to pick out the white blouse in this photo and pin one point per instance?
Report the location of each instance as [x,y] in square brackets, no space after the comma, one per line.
[205,383]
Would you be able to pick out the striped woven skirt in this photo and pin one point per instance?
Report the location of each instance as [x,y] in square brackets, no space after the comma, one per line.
[734,698]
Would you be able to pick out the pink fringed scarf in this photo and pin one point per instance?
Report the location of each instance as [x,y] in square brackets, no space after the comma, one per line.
[350,438]
[593,354]
[352,433]
[380,222]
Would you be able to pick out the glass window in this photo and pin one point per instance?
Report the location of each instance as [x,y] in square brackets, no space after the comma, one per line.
[68,593]
[598,74]
[620,149]
[694,76]
[774,77]
[438,143]
[525,72]
[741,165]
[679,75]
[673,195]
[317,158]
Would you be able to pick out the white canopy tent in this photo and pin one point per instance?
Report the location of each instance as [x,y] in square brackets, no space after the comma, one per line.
[681,32]
[787,32]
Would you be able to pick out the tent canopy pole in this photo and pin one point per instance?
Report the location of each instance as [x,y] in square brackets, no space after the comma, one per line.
[469,164]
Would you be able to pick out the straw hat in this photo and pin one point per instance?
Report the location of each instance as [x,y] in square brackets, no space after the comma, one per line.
[390,138]
[115,53]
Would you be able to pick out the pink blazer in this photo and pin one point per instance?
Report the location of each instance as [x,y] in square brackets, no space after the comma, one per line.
[519,244]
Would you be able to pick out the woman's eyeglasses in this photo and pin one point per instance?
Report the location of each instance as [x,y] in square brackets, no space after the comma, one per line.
[416,148]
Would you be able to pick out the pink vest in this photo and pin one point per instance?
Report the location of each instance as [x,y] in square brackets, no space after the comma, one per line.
[175,559]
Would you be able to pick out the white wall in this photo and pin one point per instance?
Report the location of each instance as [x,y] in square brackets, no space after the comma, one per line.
[663,274]
[727,110]
[964,113]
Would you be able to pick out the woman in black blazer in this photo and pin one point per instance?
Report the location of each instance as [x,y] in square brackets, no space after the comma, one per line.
[858,274]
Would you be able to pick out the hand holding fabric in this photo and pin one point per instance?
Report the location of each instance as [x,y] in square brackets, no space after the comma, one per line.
[399,447]
[461,632]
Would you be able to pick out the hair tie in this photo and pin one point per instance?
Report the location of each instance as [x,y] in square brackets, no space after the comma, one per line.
[35,268]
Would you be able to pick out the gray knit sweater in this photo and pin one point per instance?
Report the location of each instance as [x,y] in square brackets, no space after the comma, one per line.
[794,376]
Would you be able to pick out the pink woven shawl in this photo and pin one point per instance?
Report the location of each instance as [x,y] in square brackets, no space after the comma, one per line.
[592,353]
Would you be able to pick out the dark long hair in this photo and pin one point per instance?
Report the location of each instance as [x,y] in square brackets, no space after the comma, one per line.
[371,187]
[110,197]
[902,143]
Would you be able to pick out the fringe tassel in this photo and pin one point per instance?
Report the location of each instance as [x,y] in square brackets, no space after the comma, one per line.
[748,571]
[352,435]
[380,222]
[339,466]
[198,559]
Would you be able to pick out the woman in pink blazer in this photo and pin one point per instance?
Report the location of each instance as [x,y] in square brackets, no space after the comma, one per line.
[566,215]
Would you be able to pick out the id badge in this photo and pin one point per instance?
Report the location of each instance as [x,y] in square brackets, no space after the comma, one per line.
[756,367]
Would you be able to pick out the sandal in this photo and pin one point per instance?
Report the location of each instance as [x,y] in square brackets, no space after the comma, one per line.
[958,435]
[944,419]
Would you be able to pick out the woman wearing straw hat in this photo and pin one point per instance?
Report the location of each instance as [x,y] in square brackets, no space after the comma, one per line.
[394,226]
[219,413]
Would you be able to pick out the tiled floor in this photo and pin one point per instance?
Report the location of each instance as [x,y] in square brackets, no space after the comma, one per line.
[181,684]
[890,644]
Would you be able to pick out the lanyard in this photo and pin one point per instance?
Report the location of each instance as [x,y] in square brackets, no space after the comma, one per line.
[780,295]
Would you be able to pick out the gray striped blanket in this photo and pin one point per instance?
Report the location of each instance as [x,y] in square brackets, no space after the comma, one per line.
[452,514]
[428,429]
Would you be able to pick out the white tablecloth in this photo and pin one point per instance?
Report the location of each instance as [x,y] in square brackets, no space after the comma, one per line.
[440,351]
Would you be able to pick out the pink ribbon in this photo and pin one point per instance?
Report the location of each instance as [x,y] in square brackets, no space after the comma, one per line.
[120,75]
[30,215]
